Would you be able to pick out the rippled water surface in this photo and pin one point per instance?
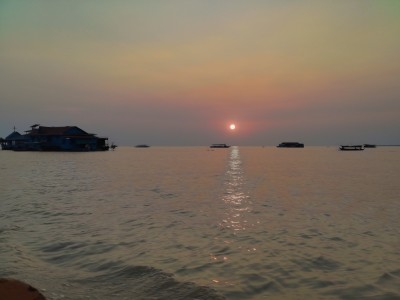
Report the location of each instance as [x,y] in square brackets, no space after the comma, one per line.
[195,223]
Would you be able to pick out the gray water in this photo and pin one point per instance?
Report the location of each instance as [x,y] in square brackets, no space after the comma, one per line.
[195,223]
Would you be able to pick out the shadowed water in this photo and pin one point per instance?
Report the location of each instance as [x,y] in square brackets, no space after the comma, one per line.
[195,223]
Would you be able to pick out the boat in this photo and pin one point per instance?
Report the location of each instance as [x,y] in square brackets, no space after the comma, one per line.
[142,146]
[219,146]
[290,145]
[351,147]
[369,146]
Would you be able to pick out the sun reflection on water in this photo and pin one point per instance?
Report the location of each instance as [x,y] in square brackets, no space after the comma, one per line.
[236,219]
[235,197]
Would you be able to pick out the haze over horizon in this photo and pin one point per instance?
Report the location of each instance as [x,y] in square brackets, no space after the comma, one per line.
[180,72]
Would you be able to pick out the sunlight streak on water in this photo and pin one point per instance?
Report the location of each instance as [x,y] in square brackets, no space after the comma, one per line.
[235,197]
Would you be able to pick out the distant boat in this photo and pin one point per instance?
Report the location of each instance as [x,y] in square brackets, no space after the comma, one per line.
[351,147]
[142,146]
[290,145]
[219,146]
[369,146]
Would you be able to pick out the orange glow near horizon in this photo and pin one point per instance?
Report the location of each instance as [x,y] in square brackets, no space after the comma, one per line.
[237,72]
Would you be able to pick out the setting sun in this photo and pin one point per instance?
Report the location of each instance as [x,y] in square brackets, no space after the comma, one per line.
[232,127]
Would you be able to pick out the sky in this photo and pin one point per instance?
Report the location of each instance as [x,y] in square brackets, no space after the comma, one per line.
[179,72]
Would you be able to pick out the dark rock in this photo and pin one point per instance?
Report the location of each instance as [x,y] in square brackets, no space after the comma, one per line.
[12,289]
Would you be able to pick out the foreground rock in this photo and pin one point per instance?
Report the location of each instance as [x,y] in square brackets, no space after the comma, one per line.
[11,289]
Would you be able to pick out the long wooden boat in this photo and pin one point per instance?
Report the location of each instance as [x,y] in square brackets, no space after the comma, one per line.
[369,146]
[290,145]
[219,146]
[351,147]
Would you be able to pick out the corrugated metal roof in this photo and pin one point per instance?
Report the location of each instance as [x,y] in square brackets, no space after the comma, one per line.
[14,136]
[63,130]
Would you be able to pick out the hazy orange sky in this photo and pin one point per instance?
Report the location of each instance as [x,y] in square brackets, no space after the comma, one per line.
[178,72]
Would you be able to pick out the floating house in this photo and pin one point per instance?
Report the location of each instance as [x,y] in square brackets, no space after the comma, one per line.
[65,138]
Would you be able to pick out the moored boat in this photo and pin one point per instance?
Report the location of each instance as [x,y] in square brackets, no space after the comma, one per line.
[369,146]
[351,147]
[290,145]
[219,146]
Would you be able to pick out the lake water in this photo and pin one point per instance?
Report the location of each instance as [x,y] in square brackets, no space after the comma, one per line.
[194,223]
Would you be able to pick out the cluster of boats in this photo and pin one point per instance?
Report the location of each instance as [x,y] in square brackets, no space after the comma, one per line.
[301,145]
